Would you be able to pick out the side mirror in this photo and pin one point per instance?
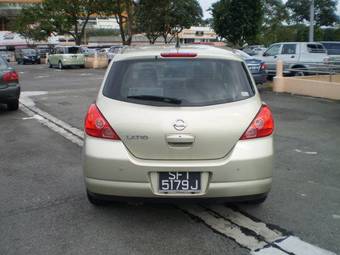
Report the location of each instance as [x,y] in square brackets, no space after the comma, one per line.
[265,54]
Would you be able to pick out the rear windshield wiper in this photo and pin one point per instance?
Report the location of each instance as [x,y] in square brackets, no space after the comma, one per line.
[169,100]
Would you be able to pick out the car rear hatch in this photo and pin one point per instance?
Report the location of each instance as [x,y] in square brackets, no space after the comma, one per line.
[254,65]
[179,109]
[74,55]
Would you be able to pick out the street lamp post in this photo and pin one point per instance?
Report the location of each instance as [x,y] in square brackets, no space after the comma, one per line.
[311,21]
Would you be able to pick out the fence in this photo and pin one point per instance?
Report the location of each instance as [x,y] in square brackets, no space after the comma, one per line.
[321,81]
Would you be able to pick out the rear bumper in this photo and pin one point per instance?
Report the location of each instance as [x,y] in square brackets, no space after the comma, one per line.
[260,77]
[9,94]
[145,190]
[31,61]
[110,169]
[67,62]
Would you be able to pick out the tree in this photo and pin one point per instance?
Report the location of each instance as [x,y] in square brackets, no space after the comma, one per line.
[149,19]
[167,18]
[180,14]
[57,16]
[275,14]
[28,26]
[325,11]
[124,12]
[237,21]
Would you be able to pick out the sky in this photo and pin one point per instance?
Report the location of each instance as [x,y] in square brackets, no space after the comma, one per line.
[207,3]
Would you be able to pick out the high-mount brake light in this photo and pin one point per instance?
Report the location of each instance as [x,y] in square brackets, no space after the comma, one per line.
[261,126]
[179,55]
[97,126]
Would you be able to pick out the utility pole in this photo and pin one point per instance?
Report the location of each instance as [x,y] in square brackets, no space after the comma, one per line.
[311,21]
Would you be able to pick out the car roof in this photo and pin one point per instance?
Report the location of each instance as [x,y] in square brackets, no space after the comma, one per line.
[335,42]
[201,51]
[67,46]
[297,43]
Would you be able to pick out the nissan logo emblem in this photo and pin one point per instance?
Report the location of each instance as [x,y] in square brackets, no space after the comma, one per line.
[179,125]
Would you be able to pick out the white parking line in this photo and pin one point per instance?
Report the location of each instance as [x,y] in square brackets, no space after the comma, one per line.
[253,235]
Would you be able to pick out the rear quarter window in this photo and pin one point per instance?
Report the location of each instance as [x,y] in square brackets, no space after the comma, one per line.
[332,48]
[315,48]
[196,82]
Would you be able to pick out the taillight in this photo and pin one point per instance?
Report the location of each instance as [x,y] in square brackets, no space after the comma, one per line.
[179,55]
[264,66]
[261,126]
[97,126]
[11,76]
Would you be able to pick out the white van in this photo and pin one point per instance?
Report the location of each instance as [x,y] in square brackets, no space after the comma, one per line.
[295,55]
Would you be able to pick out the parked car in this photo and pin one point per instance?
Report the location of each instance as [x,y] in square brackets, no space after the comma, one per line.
[6,55]
[43,51]
[104,50]
[257,67]
[114,50]
[88,51]
[302,56]
[185,123]
[333,51]
[254,50]
[66,56]
[9,86]
[27,56]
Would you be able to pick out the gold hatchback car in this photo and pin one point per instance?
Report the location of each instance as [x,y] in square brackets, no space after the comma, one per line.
[178,123]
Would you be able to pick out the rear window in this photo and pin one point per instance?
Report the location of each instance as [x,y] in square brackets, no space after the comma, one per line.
[315,48]
[73,50]
[29,51]
[332,48]
[196,82]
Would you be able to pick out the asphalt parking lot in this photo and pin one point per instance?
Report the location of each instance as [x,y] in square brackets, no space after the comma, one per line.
[43,206]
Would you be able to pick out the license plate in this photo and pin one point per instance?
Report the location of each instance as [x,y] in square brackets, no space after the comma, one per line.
[252,68]
[179,182]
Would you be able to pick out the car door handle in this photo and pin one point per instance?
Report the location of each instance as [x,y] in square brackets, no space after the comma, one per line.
[180,139]
[292,57]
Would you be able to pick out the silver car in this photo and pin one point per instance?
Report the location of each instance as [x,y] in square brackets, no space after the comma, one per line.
[178,123]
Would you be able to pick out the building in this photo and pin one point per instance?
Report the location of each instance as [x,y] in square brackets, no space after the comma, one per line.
[10,9]
[198,35]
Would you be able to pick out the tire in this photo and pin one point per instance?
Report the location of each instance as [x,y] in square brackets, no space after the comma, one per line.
[60,65]
[95,200]
[298,73]
[82,66]
[49,64]
[270,77]
[13,105]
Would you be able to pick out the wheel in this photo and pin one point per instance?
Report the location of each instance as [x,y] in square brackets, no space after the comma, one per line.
[49,64]
[60,65]
[298,73]
[95,200]
[270,77]
[13,105]
[82,66]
